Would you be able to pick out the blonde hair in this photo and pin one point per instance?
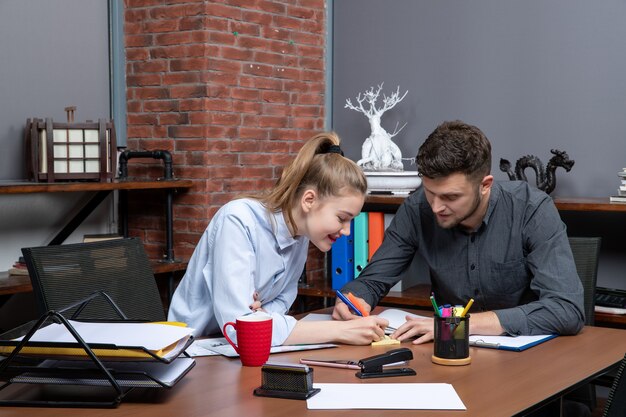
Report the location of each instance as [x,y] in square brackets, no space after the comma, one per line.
[314,167]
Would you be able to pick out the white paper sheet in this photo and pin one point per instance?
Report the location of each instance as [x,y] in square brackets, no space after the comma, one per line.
[152,336]
[228,351]
[397,318]
[317,317]
[390,396]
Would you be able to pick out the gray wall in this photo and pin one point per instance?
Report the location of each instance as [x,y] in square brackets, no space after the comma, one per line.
[54,53]
[533,75]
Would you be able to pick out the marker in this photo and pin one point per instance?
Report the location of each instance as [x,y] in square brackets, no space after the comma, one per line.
[358,305]
[435,307]
[467,307]
[349,303]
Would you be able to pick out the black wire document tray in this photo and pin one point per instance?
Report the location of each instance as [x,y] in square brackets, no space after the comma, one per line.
[56,351]
[127,374]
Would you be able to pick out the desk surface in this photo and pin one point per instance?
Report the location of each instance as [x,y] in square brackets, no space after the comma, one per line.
[496,383]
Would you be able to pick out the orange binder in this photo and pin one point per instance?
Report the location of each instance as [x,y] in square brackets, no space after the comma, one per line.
[376,226]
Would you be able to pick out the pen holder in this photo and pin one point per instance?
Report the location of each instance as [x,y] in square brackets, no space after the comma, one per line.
[451,346]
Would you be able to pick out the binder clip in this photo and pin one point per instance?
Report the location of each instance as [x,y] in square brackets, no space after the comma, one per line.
[291,381]
[372,367]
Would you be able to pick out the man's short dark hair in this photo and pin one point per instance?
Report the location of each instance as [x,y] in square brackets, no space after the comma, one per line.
[452,147]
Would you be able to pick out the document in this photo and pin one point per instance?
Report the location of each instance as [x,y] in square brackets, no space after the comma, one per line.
[418,396]
[397,318]
[219,346]
[124,339]
[515,343]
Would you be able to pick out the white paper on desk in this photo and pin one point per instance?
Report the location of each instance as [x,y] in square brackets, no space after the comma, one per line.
[152,336]
[228,351]
[317,317]
[202,347]
[388,396]
[397,318]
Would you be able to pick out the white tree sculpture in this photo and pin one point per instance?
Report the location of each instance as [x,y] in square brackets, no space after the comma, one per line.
[379,152]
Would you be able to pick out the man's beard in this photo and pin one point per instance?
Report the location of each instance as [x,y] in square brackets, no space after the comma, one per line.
[471,212]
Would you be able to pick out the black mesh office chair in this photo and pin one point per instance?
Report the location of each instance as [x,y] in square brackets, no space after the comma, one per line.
[65,274]
[586,251]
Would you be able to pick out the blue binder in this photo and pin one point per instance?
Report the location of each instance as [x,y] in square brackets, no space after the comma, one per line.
[342,259]
[360,243]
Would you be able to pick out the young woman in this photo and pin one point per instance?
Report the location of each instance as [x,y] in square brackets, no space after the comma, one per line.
[254,250]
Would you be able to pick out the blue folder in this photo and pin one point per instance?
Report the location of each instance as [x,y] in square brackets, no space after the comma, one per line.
[342,259]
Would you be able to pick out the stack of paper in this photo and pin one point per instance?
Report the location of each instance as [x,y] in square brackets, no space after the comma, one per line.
[111,339]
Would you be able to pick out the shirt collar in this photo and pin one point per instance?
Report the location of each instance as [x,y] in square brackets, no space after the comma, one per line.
[494,196]
[283,235]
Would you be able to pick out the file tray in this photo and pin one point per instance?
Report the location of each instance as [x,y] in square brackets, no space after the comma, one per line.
[36,367]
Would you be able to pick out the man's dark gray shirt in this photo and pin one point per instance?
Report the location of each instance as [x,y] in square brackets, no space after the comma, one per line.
[518,263]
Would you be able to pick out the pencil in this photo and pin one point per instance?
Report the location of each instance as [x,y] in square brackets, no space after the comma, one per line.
[434,303]
[467,307]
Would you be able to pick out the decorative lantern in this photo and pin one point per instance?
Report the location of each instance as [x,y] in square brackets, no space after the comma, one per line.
[70,151]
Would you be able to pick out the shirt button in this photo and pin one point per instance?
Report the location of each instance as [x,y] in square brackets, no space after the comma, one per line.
[472,267]
[476,292]
[472,238]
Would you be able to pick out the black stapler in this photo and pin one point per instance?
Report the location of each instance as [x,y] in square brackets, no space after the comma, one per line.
[372,367]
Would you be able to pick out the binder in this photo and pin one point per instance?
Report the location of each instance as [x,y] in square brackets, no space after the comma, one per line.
[342,259]
[514,343]
[376,226]
[360,243]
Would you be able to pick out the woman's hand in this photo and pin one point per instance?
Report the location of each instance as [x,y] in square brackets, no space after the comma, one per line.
[361,330]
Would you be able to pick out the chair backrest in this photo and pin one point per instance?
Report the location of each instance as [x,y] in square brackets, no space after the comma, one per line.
[65,274]
[586,251]
[616,401]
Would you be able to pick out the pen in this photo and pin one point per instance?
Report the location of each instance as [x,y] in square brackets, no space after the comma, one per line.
[467,307]
[349,303]
[358,305]
[434,303]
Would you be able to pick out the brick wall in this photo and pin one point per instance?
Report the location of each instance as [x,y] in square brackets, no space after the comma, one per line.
[232,89]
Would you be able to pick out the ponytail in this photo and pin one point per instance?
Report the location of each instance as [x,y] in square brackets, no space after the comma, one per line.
[318,165]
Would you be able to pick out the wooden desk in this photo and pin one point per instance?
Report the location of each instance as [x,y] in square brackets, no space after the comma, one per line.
[496,383]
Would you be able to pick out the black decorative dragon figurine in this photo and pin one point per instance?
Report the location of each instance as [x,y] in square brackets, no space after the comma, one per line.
[546,179]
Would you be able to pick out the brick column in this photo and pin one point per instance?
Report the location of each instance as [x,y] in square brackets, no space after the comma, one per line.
[231,89]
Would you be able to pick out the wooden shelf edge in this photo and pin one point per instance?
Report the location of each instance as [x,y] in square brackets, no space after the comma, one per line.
[37,187]
[14,284]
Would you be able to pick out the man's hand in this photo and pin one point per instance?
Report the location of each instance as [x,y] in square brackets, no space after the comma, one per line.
[414,327]
[342,311]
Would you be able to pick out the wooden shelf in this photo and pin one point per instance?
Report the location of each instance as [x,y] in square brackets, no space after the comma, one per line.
[390,203]
[588,204]
[38,187]
[13,284]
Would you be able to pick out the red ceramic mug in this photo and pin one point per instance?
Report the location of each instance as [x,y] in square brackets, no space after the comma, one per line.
[254,338]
